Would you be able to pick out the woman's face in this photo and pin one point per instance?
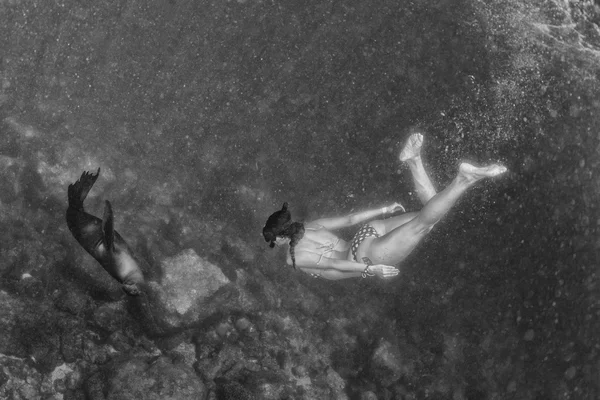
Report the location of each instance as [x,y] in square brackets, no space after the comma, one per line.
[281,240]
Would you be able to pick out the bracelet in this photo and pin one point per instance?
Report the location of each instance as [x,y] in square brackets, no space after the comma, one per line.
[366,272]
[384,210]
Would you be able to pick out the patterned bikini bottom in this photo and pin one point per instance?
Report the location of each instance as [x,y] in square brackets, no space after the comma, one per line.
[364,232]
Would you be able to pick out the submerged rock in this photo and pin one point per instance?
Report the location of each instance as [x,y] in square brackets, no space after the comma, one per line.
[189,279]
[337,384]
[232,390]
[10,313]
[192,289]
[10,170]
[389,363]
[71,300]
[20,380]
[150,379]
[110,316]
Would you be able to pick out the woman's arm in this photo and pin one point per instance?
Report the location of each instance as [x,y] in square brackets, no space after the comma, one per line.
[326,267]
[333,275]
[356,218]
[307,259]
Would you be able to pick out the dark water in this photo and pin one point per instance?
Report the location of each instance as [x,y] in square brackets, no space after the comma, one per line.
[211,114]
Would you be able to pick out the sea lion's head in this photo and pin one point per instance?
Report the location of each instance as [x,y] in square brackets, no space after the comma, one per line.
[133,283]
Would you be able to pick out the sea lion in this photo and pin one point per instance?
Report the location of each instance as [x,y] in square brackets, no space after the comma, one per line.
[99,238]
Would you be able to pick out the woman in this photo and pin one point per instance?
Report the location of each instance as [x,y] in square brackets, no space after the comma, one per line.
[380,243]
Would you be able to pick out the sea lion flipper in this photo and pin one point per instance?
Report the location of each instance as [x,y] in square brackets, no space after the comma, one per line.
[108,226]
[79,190]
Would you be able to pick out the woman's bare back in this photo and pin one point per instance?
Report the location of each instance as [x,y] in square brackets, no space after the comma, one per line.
[318,240]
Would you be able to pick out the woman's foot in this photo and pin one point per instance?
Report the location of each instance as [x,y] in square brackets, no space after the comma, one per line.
[412,148]
[472,173]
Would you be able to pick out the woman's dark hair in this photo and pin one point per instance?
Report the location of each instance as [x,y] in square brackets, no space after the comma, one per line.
[280,224]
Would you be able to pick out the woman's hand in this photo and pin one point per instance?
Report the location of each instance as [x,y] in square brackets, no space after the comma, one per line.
[394,208]
[383,271]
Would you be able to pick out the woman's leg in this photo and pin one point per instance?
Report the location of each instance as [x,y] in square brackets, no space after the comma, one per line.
[383,226]
[411,154]
[397,244]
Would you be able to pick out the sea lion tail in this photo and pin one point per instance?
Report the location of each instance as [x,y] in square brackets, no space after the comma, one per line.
[79,190]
